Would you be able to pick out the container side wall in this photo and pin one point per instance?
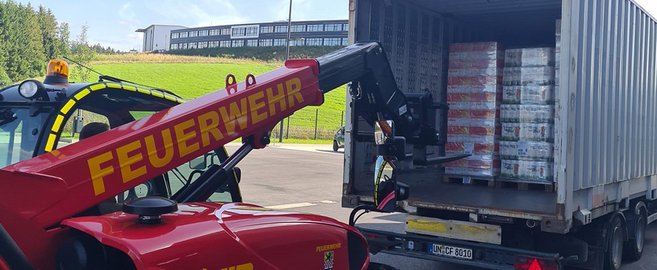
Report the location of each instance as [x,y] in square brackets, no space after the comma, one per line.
[610,69]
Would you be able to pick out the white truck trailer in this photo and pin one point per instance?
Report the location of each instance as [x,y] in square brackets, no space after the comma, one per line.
[595,211]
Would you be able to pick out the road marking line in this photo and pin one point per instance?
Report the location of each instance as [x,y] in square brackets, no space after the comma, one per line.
[327,202]
[290,205]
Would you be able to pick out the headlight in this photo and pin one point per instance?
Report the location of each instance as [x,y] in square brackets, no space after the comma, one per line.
[30,88]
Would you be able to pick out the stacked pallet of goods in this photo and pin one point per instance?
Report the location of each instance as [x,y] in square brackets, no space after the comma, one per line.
[527,115]
[474,97]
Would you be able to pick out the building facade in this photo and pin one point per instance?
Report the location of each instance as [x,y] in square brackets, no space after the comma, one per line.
[303,33]
[157,37]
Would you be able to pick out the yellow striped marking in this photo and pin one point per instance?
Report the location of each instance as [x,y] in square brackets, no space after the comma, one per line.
[145,91]
[129,88]
[68,106]
[58,123]
[50,144]
[114,85]
[97,86]
[157,93]
[80,95]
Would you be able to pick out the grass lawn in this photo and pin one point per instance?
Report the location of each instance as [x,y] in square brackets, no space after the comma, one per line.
[192,77]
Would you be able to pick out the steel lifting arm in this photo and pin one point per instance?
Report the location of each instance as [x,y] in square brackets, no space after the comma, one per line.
[367,67]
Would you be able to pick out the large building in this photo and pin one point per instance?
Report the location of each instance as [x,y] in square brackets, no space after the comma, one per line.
[157,37]
[303,33]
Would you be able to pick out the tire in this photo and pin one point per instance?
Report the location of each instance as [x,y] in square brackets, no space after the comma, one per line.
[614,243]
[634,246]
[335,146]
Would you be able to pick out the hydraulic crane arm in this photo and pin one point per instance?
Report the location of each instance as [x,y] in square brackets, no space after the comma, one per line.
[366,65]
[124,157]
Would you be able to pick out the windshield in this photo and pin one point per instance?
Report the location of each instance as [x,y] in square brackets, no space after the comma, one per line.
[19,133]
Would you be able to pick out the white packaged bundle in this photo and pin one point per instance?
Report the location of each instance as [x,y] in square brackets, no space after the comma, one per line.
[535,170]
[529,57]
[536,131]
[510,168]
[535,113]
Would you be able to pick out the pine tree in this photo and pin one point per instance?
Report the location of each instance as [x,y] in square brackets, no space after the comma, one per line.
[63,43]
[48,26]
[4,78]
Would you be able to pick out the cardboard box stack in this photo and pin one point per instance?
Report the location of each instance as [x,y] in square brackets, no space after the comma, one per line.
[474,94]
[527,115]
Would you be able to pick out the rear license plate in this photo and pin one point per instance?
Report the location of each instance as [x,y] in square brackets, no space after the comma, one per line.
[450,251]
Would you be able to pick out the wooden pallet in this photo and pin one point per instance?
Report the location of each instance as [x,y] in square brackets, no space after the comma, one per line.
[508,183]
[470,180]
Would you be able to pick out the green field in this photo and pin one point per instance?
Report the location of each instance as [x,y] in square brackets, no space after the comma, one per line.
[192,77]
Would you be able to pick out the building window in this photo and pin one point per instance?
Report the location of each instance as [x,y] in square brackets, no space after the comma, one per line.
[202,33]
[280,29]
[265,43]
[184,34]
[214,32]
[224,43]
[193,33]
[213,44]
[175,35]
[245,31]
[345,27]
[225,31]
[183,46]
[238,43]
[345,41]
[252,43]
[203,44]
[174,46]
[192,45]
[333,27]
[279,42]
[297,42]
[298,28]
[266,29]
[332,41]
[315,27]
[314,42]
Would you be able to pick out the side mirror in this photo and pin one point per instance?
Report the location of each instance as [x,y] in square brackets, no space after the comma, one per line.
[198,163]
[387,190]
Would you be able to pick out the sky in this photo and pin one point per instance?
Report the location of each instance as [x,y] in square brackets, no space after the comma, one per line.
[113,22]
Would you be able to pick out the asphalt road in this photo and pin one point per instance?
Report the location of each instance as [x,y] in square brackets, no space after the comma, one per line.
[309,179]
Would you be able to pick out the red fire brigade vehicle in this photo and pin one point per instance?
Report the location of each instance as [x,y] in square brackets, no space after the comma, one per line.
[159,191]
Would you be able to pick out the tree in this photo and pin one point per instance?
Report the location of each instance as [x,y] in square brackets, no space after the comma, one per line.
[83,54]
[48,26]
[62,42]
[24,54]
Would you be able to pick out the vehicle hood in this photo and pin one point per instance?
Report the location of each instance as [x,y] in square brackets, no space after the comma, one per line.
[216,236]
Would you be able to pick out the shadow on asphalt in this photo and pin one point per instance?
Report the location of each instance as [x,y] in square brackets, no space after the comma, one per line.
[329,151]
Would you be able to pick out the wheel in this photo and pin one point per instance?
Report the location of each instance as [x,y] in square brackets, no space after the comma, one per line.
[614,244]
[335,146]
[634,246]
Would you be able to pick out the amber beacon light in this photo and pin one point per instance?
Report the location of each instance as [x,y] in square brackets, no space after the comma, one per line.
[57,72]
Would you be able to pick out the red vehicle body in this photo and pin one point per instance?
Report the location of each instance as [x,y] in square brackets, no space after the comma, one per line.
[41,196]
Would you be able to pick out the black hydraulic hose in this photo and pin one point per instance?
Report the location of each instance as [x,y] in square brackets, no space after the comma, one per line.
[352,216]
[11,253]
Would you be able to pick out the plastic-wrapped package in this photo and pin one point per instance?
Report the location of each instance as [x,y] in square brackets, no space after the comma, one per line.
[512,113]
[474,94]
[528,94]
[527,150]
[540,171]
[528,76]
[527,131]
[483,165]
[529,57]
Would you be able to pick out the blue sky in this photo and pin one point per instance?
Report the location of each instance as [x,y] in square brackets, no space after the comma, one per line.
[113,22]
